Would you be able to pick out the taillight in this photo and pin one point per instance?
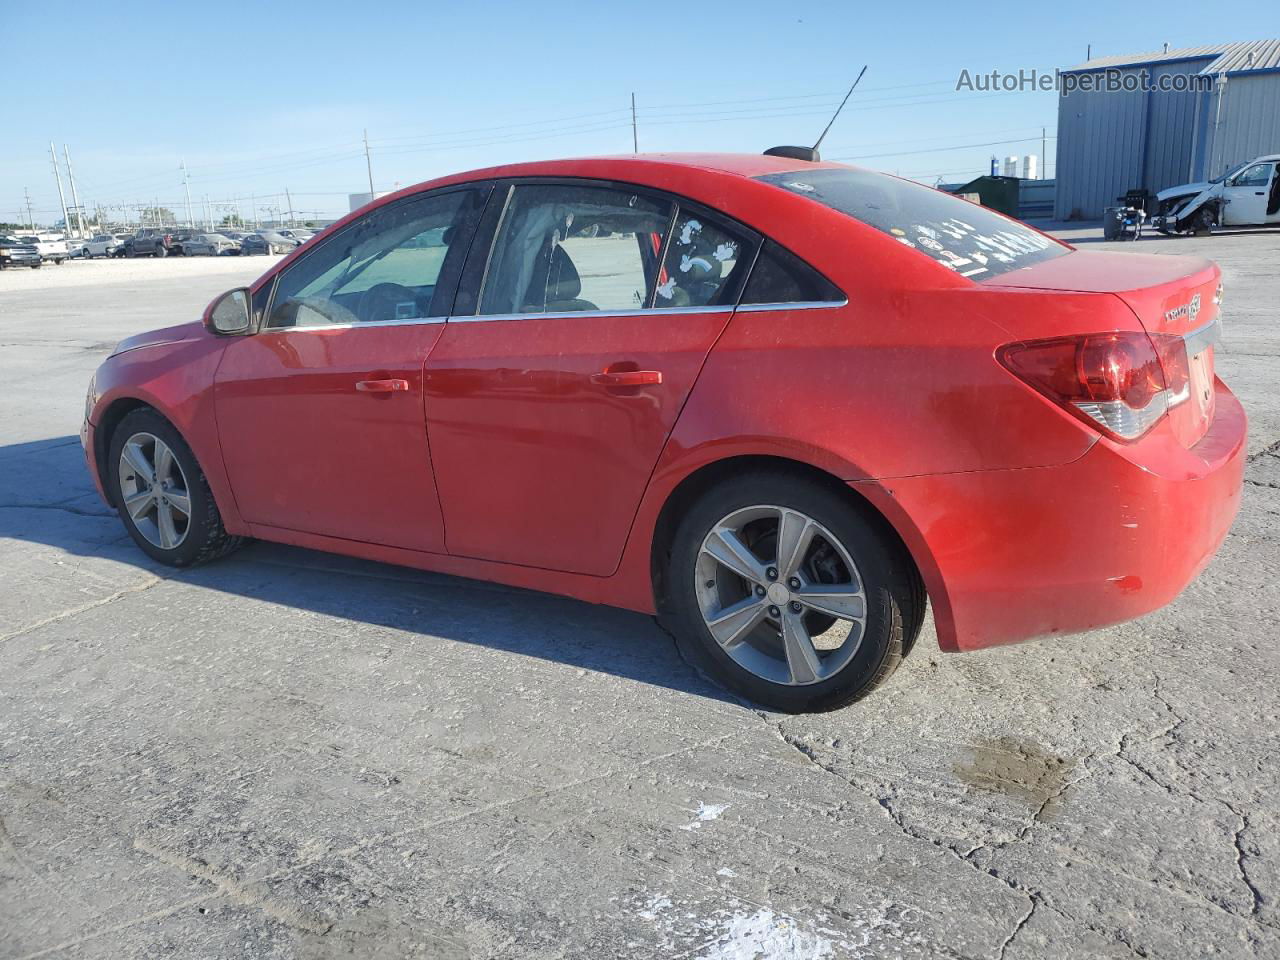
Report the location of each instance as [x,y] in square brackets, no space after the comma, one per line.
[1121,383]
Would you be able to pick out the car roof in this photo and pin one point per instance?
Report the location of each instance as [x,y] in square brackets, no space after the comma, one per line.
[628,167]
[735,164]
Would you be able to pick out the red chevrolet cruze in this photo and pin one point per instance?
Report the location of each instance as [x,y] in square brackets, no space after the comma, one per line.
[776,402]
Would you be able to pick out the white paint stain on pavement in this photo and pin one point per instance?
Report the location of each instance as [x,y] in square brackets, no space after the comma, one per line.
[765,935]
[706,811]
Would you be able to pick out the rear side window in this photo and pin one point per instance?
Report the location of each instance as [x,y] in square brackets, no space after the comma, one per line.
[779,276]
[970,239]
[702,263]
[565,249]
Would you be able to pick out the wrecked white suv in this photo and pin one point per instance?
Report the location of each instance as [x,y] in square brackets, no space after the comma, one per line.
[1248,195]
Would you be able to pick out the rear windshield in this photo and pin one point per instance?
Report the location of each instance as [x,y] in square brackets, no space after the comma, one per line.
[970,239]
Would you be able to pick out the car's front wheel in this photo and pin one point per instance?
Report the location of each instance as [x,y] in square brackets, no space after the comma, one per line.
[161,493]
[786,592]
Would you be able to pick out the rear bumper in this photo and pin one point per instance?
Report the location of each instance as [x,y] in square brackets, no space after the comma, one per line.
[1008,555]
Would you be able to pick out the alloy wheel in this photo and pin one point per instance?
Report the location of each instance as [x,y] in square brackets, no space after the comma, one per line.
[780,594]
[154,491]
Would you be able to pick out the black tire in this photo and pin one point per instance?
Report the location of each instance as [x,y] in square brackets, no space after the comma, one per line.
[206,539]
[161,251]
[895,595]
[1203,223]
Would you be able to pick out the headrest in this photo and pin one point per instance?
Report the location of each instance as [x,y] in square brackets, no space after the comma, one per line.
[563,282]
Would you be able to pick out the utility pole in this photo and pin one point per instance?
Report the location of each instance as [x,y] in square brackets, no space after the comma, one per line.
[186,185]
[208,217]
[62,200]
[368,163]
[30,221]
[253,209]
[289,202]
[75,200]
[635,138]
[1044,157]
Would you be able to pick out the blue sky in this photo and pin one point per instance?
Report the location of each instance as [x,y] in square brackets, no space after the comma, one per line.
[260,97]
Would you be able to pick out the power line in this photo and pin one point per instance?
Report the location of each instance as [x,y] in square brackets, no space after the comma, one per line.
[959,146]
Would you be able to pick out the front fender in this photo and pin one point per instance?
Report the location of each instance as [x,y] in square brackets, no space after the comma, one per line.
[176,378]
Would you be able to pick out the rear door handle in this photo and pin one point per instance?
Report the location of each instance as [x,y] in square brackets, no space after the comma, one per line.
[382,386]
[627,378]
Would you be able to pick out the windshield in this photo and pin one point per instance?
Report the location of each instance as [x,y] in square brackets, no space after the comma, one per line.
[1232,172]
[970,239]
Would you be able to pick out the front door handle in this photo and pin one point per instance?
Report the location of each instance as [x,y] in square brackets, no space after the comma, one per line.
[382,386]
[627,378]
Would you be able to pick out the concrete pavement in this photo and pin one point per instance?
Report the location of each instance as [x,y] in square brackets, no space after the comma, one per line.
[291,754]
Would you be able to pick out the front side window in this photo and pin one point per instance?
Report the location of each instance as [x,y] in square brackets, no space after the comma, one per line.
[385,266]
[701,265]
[563,249]
[1259,175]
[969,239]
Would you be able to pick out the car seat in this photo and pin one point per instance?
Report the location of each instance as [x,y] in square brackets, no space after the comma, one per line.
[559,283]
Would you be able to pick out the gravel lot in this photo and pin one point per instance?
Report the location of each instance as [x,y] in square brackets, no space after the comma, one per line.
[291,754]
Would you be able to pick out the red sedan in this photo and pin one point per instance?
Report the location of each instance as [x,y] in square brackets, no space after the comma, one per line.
[776,402]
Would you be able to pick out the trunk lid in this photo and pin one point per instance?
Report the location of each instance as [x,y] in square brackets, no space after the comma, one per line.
[1172,296]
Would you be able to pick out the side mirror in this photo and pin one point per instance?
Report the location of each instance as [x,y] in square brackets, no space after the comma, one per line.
[230,315]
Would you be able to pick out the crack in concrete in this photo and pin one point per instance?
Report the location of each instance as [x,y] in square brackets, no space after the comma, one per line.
[1004,947]
[82,608]
[1262,483]
[886,806]
[236,891]
[57,506]
[1272,448]
[1238,840]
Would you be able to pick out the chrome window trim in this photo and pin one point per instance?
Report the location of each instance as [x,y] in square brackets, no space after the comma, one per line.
[798,305]
[358,325]
[1198,341]
[655,312]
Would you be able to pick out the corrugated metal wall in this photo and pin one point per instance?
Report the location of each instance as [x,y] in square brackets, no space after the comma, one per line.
[1249,124]
[1171,120]
[1099,149]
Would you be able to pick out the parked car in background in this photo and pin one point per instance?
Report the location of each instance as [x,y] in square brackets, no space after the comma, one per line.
[266,242]
[150,243]
[209,244]
[50,247]
[1246,196]
[774,402]
[102,245]
[301,236]
[16,253]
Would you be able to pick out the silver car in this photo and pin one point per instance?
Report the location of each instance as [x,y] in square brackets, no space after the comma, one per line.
[209,244]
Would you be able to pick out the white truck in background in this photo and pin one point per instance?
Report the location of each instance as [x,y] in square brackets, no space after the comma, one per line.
[51,247]
[1248,195]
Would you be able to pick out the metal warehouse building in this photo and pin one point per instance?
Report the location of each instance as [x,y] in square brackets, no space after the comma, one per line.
[1155,120]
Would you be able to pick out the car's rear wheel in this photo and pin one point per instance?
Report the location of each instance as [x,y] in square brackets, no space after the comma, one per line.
[162,495]
[787,593]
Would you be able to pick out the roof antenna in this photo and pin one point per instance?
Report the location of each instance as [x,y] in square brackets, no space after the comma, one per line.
[837,113]
[811,153]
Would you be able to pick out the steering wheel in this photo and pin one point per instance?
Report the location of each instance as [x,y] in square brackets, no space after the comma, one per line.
[382,301]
